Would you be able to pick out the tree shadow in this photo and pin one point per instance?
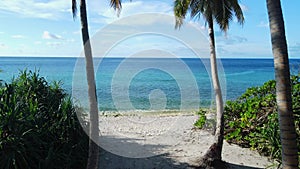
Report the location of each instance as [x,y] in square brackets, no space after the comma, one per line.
[149,160]
[227,165]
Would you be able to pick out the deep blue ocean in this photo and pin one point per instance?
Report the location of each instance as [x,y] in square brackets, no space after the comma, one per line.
[168,82]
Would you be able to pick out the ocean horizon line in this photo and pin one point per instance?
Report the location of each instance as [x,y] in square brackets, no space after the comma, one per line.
[119,57]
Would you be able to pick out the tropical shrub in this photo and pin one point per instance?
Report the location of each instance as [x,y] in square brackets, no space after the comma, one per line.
[201,120]
[206,120]
[252,119]
[39,128]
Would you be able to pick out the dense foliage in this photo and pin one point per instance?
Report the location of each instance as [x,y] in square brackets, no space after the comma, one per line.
[252,119]
[39,128]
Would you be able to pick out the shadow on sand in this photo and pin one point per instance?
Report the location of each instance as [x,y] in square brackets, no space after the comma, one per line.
[227,165]
[149,160]
[127,148]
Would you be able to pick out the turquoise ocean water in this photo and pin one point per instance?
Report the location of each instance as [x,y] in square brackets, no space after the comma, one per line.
[167,76]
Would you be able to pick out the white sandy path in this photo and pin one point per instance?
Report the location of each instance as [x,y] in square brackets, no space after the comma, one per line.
[141,136]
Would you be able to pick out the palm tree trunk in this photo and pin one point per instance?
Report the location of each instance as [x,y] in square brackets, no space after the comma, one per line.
[93,156]
[283,86]
[213,156]
[218,94]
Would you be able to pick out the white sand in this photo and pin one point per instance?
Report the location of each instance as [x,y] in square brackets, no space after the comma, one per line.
[174,136]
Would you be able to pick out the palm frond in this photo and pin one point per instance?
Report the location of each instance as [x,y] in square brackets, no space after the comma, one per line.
[117,5]
[74,8]
[200,7]
[224,10]
[238,11]
[221,14]
[180,10]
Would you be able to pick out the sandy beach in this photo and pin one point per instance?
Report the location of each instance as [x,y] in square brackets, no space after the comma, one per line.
[169,140]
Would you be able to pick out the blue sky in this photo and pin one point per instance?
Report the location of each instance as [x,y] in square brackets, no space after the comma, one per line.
[46,28]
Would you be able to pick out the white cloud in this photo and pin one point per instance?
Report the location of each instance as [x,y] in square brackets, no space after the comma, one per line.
[244,7]
[232,39]
[71,40]
[48,35]
[263,24]
[244,50]
[18,36]
[203,28]
[54,44]
[294,49]
[53,9]
[76,32]
[198,25]
[142,32]
[2,46]
[130,8]
[37,42]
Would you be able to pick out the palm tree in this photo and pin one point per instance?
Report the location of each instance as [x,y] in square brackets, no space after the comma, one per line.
[283,86]
[93,156]
[221,12]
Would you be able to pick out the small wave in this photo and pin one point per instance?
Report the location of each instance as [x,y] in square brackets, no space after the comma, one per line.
[148,112]
[241,73]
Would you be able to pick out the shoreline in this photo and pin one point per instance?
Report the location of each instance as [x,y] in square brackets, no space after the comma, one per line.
[169,112]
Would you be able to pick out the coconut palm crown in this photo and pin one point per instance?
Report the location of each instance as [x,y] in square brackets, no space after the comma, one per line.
[221,11]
